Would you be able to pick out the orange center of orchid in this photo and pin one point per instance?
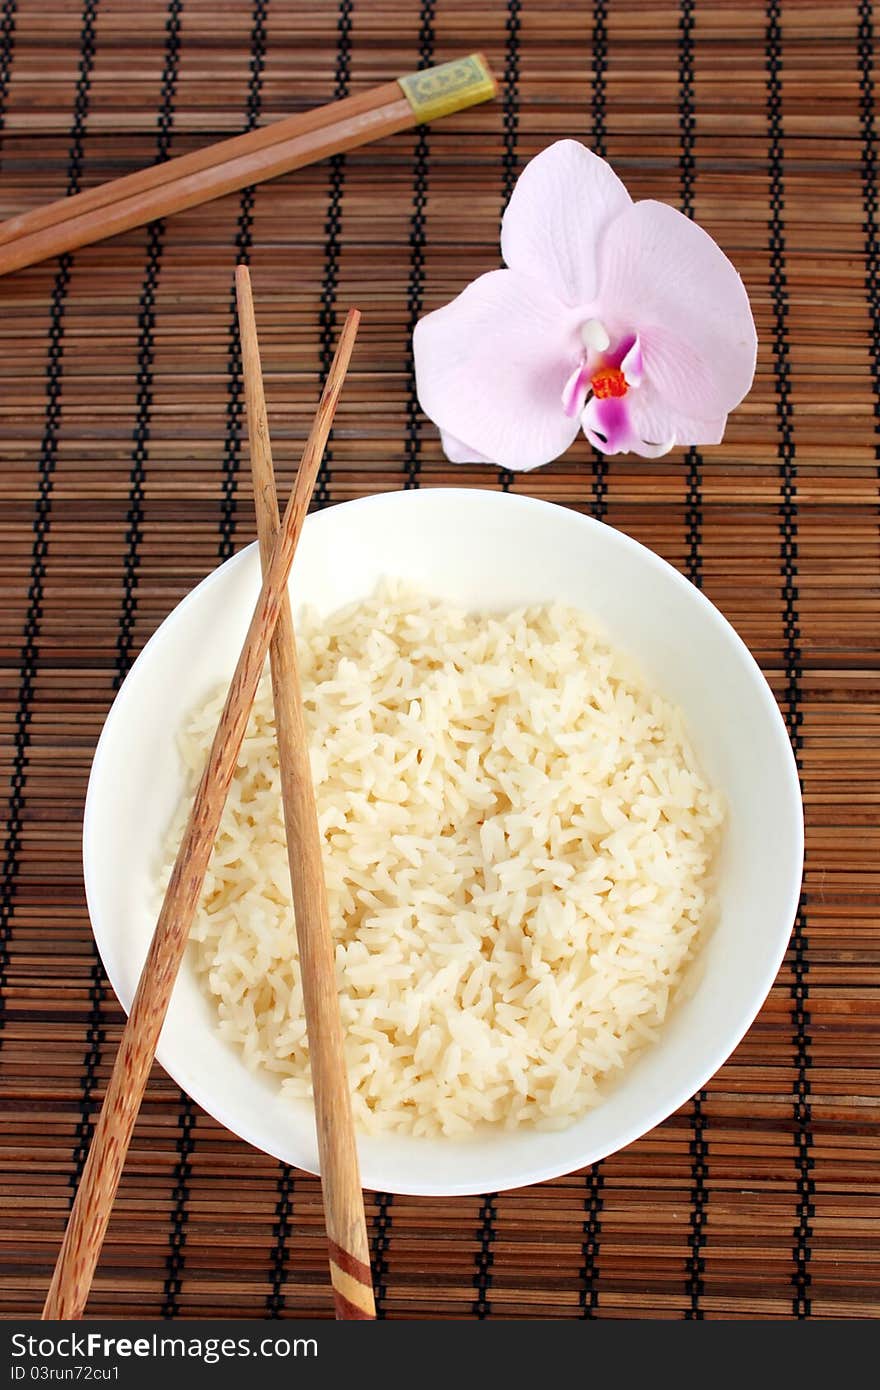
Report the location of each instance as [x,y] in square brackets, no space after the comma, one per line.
[608,381]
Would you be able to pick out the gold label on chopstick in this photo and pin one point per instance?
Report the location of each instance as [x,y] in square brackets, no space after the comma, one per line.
[451,87]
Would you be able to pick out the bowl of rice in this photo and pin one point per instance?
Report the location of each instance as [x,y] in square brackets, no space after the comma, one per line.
[562,835]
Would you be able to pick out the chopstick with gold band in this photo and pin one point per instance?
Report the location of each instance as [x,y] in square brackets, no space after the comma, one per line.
[95,1195]
[337,1148]
[264,153]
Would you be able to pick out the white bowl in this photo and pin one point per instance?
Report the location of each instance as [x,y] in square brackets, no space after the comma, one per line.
[485,549]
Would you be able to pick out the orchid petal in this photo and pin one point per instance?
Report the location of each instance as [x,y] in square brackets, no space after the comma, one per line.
[662,272]
[653,419]
[646,450]
[459,452]
[559,212]
[575,391]
[490,367]
[632,364]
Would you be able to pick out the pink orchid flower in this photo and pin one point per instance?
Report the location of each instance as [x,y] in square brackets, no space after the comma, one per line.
[623,318]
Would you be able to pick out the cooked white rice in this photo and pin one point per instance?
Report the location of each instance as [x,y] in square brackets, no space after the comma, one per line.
[517,842]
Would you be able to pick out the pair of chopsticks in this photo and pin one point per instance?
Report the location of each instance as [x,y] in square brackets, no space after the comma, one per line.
[337,1150]
[244,160]
[271,629]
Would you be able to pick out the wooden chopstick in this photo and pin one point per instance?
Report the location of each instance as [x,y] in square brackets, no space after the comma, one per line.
[337,1147]
[176,184]
[87,1224]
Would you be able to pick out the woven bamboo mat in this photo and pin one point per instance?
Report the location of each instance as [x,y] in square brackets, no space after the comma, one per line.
[123,481]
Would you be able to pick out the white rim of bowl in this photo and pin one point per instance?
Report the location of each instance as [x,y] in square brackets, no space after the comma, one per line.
[215,1107]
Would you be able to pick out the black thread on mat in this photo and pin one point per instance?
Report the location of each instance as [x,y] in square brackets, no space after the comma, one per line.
[28,655]
[686,117]
[599,501]
[333,242]
[866,52]
[510,118]
[693,516]
[415,290]
[687,175]
[509,162]
[186,1121]
[13,832]
[281,1232]
[788,553]
[133,537]
[600,69]
[380,1240]
[698,1146]
[186,1116]
[97,983]
[594,1182]
[244,237]
[482,1308]
[146,349]
[7,47]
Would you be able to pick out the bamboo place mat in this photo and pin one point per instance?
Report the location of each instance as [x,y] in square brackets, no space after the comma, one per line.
[124,480]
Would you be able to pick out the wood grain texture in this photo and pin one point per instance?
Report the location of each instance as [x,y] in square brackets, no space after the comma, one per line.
[123,478]
[84,1236]
[337,1147]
